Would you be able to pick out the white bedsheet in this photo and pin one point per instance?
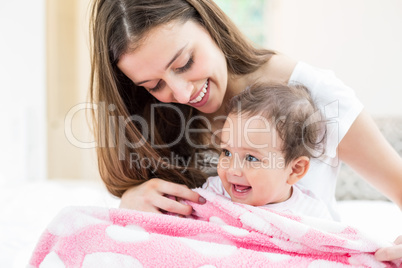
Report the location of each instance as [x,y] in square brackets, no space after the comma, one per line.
[26,209]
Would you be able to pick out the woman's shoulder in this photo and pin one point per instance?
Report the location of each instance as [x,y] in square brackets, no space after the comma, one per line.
[279,68]
[282,69]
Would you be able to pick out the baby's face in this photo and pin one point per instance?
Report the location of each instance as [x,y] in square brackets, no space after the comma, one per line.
[251,165]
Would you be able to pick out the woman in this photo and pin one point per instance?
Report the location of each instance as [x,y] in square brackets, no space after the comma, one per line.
[166,69]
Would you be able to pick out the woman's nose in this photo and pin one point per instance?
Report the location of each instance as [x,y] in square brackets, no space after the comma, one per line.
[181,89]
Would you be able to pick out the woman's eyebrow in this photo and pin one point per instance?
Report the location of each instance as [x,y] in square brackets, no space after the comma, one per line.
[178,53]
[176,56]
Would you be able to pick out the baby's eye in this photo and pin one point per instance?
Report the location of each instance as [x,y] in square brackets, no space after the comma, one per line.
[226,152]
[251,158]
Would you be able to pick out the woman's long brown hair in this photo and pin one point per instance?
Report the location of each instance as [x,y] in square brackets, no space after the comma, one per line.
[131,127]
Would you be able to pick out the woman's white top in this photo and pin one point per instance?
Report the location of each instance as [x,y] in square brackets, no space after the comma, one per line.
[302,202]
[340,107]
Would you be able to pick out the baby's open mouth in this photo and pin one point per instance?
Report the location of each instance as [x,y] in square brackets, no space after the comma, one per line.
[241,188]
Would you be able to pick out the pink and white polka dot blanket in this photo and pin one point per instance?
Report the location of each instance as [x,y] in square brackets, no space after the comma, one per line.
[220,234]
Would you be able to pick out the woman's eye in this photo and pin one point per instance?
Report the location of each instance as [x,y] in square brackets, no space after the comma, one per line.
[187,66]
[251,158]
[226,152]
[157,87]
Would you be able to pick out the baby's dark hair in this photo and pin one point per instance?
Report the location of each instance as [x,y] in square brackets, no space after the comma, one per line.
[293,113]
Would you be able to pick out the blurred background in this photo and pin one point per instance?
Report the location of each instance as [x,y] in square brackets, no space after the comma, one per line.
[44,69]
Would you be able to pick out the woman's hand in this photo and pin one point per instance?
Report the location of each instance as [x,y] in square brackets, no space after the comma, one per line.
[151,196]
[390,253]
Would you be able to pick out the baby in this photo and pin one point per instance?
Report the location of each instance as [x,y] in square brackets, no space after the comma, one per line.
[268,138]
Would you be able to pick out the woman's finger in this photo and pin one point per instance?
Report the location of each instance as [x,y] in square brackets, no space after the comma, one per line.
[389,253]
[141,197]
[132,201]
[172,206]
[181,191]
[398,240]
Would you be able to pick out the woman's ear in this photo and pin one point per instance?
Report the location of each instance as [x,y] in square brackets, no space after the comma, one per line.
[299,168]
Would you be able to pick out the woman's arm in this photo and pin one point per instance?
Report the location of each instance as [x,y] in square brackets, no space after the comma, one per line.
[366,150]
[151,196]
[363,148]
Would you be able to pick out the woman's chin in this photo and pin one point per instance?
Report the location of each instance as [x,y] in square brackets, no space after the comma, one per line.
[209,108]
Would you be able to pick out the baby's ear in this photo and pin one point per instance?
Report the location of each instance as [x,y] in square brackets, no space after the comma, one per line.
[299,168]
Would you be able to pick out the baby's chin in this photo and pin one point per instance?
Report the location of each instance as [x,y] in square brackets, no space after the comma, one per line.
[246,202]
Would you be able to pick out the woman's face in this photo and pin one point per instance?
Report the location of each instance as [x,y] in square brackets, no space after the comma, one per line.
[179,63]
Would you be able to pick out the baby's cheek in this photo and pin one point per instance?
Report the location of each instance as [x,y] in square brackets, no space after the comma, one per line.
[221,172]
[223,164]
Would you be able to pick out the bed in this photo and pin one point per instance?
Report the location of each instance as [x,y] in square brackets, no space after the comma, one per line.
[28,208]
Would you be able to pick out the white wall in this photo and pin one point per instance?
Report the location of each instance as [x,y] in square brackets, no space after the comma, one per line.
[22,90]
[68,73]
[361,40]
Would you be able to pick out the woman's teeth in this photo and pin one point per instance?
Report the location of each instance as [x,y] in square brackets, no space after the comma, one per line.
[202,94]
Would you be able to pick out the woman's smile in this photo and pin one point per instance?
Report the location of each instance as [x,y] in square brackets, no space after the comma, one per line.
[201,97]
